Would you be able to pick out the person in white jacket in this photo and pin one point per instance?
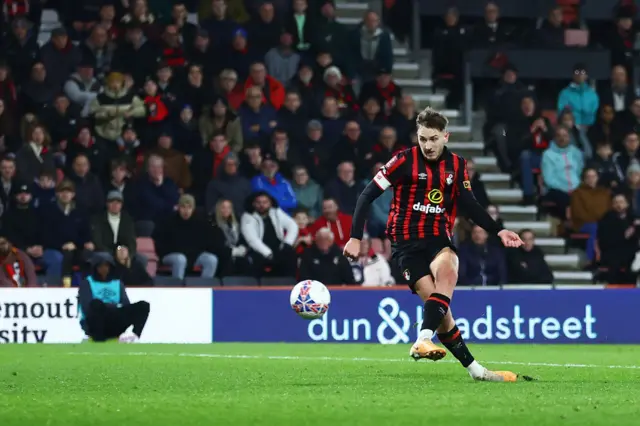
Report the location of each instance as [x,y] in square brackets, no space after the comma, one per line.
[371,269]
[270,234]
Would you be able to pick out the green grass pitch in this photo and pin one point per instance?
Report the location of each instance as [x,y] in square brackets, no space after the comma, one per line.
[314,384]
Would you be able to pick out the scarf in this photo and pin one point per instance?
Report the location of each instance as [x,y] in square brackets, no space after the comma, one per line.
[13,267]
[231,233]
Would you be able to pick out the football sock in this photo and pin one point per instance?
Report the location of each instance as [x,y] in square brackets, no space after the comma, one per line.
[435,308]
[453,341]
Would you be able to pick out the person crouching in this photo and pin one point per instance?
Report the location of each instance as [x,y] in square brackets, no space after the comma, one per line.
[105,310]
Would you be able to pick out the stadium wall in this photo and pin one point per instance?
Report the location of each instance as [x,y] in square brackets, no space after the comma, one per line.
[387,316]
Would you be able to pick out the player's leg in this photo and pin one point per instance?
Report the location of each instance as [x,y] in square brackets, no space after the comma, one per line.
[425,348]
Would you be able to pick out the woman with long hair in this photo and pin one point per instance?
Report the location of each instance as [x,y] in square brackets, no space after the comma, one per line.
[228,226]
[35,156]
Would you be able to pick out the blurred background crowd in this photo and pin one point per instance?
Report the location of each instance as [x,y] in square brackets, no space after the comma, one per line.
[226,141]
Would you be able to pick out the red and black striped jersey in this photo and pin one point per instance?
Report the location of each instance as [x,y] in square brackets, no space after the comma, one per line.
[425,194]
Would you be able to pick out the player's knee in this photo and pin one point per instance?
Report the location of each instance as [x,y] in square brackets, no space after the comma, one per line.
[447,275]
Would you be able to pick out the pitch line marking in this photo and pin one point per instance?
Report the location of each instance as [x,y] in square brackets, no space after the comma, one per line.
[358,359]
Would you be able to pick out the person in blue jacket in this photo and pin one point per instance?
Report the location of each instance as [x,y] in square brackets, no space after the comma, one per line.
[105,310]
[257,117]
[272,182]
[580,98]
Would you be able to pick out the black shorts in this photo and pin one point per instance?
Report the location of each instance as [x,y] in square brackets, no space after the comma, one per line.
[414,257]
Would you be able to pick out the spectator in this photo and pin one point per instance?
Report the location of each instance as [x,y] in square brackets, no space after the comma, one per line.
[324,261]
[603,163]
[22,48]
[63,122]
[282,61]
[372,119]
[339,223]
[257,118]
[449,44]
[226,225]
[228,185]
[251,164]
[332,34]
[311,93]
[184,240]
[206,164]
[605,129]
[387,145]
[479,190]
[491,32]
[307,192]
[34,156]
[8,182]
[8,90]
[618,241]
[315,153]
[139,15]
[241,55]
[481,263]
[550,35]
[120,180]
[379,213]
[273,92]
[345,189]
[580,98]
[180,18]
[301,23]
[82,87]
[264,30]
[384,90]
[272,182]
[631,187]
[561,167]
[577,135]
[108,22]
[88,189]
[293,116]
[621,39]
[187,134]
[66,234]
[21,224]
[37,92]
[157,195]
[355,148]
[403,119]
[137,55]
[630,155]
[195,92]
[527,264]
[202,52]
[83,143]
[270,234]
[589,203]
[305,239]
[332,121]
[44,189]
[17,268]
[157,112]
[98,50]
[231,89]
[373,48]
[176,166]
[114,107]
[371,269]
[619,94]
[630,122]
[60,57]
[219,118]
[131,273]
[336,87]
[220,27]
[113,228]
[81,18]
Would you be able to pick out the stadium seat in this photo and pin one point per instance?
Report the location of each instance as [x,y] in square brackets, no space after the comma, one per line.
[201,282]
[161,281]
[239,282]
[147,247]
[278,281]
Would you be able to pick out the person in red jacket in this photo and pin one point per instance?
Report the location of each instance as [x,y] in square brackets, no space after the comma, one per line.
[339,223]
[273,91]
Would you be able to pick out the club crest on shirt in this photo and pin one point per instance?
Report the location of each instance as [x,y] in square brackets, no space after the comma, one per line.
[449,179]
[406,275]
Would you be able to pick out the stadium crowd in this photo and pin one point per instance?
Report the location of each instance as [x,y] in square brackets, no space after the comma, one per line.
[238,146]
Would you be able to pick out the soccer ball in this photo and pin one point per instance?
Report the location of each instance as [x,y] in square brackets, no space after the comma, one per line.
[310,299]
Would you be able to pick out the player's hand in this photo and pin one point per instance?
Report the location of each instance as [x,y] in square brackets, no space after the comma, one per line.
[352,249]
[510,239]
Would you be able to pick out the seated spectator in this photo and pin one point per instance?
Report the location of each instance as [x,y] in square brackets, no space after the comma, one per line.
[630,122]
[88,188]
[333,34]
[62,121]
[577,135]
[605,129]
[628,156]
[282,152]
[201,51]
[338,88]
[301,22]
[105,310]
[228,185]
[107,21]
[60,57]
[8,135]
[603,163]
[403,118]
[372,47]
[82,87]
[387,145]
[324,261]
[272,182]
[491,31]
[308,193]
[561,167]
[207,162]
[282,61]
[527,264]
[227,228]
[251,162]
[293,117]
[114,107]
[379,212]
[241,55]
[273,92]
[589,203]
[8,183]
[113,228]
[331,119]
[219,118]
[16,267]
[305,83]
[176,166]
[196,90]
[37,93]
[631,187]
[21,224]
[580,98]
[139,14]
[231,89]
[371,119]
[387,93]
[550,35]
[449,44]
[184,239]
[157,111]
[83,143]
[371,269]
[66,234]
[34,155]
[157,194]
[479,190]
[270,234]
[345,189]
[44,189]
[305,239]
[99,50]
[621,36]
[354,147]
[618,241]
[619,94]
[137,55]
[265,29]
[339,223]
[22,47]
[120,180]
[481,263]
[218,23]
[258,119]
[131,273]
[187,134]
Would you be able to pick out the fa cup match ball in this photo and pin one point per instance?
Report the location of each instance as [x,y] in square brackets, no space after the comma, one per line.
[310,299]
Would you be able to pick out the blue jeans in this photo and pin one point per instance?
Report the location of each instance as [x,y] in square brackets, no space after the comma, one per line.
[592,230]
[52,261]
[178,262]
[528,161]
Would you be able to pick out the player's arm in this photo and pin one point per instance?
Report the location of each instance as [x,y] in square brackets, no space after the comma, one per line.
[471,206]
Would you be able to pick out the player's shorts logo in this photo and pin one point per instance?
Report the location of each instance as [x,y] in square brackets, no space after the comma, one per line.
[435,196]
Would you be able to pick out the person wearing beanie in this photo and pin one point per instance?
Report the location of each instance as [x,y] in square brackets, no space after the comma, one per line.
[241,55]
[21,224]
[336,87]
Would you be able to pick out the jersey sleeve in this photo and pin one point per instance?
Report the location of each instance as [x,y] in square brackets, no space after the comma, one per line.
[391,172]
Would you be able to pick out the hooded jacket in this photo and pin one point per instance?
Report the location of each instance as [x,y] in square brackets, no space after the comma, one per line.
[561,167]
[278,187]
[231,126]
[109,291]
[582,100]
[109,108]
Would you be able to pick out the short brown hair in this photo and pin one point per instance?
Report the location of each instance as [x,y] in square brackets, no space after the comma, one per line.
[432,119]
